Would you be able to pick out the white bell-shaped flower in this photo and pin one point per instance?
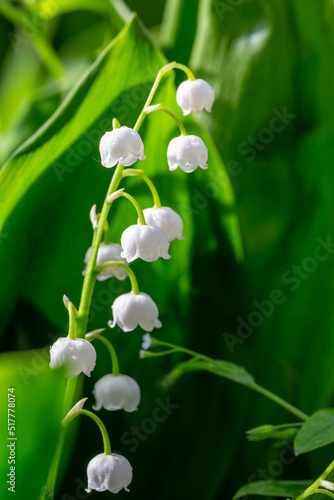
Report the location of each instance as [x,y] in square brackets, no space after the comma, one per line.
[122,145]
[195,95]
[165,218]
[188,152]
[109,473]
[75,355]
[133,309]
[144,242]
[106,252]
[116,392]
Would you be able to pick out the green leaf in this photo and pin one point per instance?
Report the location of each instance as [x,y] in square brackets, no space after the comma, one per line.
[318,431]
[273,489]
[224,369]
[58,165]
[53,180]
[38,395]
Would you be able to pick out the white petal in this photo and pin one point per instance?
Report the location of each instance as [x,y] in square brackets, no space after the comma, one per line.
[107,252]
[116,393]
[131,310]
[165,218]
[195,95]
[75,355]
[109,473]
[145,242]
[188,151]
[122,145]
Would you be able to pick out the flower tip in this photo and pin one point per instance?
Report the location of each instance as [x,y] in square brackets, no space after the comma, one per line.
[93,333]
[93,216]
[74,412]
[117,194]
[66,301]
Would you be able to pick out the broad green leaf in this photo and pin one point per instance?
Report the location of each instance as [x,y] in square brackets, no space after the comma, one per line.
[284,192]
[59,164]
[38,404]
[178,28]
[318,431]
[290,489]
[52,182]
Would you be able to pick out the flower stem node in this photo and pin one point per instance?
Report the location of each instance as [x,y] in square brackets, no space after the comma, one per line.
[106,253]
[115,195]
[75,355]
[135,309]
[122,145]
[144,242]
[188,152]
[109,473]
[116,392]
[74,412]
[195,95]
[165,218]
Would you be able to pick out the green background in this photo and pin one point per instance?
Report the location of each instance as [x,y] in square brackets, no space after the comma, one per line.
[245,238]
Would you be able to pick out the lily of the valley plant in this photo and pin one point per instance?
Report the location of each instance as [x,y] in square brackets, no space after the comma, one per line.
[148,239]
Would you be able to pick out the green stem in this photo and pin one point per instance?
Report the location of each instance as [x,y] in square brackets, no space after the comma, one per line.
[48,491]
[90,276]
[132,172]
[72,313]
[111,349]
[287,426]
[106,233]
[150,354]
[325,492]
[162,72]
[137,207]
[159,107]
[255,387]
[281,402]
[117,263]
[98,421]
[314,487]
[186,351]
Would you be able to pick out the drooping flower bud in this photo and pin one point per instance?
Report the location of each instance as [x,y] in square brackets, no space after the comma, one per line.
[131,310]
[144,242]
[165,218]
[106,252]
[75,355]
[116,392]
[147,341]
[188,152]
[109,473]
[195,95]
[122,145]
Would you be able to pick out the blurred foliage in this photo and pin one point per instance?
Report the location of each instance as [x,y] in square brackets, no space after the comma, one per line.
[271,65]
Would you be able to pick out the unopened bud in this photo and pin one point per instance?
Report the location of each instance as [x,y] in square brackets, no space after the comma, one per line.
[93,216]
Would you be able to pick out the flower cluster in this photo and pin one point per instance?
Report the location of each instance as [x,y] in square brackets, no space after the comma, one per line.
[147,239]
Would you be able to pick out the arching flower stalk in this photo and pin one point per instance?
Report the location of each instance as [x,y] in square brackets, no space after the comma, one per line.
[148,238]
